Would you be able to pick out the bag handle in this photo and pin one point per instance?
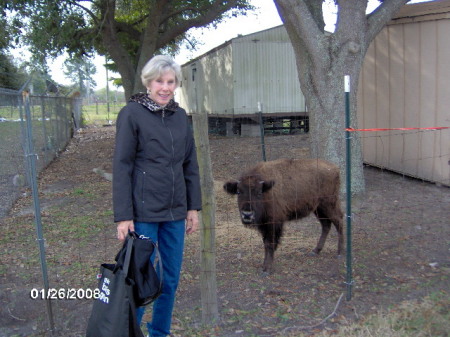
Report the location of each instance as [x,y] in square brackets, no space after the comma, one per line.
[136,236]
[126,263]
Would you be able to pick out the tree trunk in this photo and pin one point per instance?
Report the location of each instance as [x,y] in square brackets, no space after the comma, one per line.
[116,51]
[149,43]
[323,59]
[322,84]
[162,24]
[327,128]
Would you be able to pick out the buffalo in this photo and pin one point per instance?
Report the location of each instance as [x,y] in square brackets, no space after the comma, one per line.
[271,193]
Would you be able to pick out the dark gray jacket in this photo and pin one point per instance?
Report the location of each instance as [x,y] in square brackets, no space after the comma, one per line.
[156,176]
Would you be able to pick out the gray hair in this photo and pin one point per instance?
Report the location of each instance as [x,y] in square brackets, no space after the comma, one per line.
[157,66]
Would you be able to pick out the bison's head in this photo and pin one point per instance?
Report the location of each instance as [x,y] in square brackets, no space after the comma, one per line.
[251,202]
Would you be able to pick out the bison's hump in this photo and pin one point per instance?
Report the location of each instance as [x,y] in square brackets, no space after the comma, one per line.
[295,176]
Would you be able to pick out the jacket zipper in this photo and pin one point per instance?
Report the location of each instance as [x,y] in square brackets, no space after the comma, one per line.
[171,165]
[143,188]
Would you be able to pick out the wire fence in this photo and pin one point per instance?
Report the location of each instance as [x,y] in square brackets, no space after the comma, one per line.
[54,120]
[397,223]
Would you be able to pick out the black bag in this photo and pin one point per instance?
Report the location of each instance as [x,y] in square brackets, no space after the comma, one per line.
[148,284]
[114,311]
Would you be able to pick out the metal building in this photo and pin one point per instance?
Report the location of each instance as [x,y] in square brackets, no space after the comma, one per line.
[243,76]
[405,83]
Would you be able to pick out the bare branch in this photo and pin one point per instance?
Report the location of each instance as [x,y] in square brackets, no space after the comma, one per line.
[381,16]
[301,19]
[128,29]
[208,15]
[87,10]
[309,327]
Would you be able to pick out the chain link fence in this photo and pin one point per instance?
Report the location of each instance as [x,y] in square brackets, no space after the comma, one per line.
[53,121]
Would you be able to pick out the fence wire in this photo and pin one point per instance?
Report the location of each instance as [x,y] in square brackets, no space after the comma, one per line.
[392,218]
[53,122]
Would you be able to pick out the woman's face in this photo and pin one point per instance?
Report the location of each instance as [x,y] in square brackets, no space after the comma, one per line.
[162,88]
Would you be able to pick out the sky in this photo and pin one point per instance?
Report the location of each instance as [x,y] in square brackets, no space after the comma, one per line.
[265,16]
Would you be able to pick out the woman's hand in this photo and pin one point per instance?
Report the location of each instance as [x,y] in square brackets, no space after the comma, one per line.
[123,227]
[191,221]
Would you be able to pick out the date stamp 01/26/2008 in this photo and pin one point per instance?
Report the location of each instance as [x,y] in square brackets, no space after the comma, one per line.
[64,294]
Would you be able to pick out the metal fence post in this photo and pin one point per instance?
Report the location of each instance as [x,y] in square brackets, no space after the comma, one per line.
[31,161]
[349,280]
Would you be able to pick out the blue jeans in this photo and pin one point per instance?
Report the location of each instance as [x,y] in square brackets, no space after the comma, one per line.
[170,238]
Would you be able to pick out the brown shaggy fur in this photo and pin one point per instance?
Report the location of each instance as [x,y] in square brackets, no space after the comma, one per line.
[273,192]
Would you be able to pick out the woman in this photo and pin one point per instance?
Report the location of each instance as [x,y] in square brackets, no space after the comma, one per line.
[156,186]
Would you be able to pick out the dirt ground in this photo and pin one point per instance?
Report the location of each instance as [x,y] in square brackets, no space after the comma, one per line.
[400,249]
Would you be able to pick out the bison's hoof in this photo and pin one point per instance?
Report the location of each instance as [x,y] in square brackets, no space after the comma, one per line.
[313,253]
[266,272]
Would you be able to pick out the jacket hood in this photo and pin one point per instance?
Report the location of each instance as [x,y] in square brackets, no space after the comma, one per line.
[150,104]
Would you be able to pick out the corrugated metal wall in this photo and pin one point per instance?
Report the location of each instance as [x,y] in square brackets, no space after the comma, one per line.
[405,83]
[207,84]
[266,72]
[275,34]
[233,78]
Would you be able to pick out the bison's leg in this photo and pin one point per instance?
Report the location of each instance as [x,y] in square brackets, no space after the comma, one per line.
[326,219]
[340,229]
[271,237]
[326,226]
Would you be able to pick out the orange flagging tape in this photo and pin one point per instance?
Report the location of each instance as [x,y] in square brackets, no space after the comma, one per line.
[403,129]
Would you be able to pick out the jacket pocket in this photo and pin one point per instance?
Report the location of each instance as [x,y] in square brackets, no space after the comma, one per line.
[151,192]
[157,190]
[138,190]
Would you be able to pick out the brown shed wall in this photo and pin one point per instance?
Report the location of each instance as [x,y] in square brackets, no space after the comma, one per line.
[405,83]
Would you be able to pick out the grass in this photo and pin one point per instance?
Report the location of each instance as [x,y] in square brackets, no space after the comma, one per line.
[429,317]
[49,136]
[81,192]
[98,114]
[93,114]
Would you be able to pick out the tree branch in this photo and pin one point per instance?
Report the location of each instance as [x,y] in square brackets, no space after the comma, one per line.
[309,327]
[111,41]
[128,29]
[87,10]
[351,13]
[381,16]
[181,11]
[302,20]
[207,16]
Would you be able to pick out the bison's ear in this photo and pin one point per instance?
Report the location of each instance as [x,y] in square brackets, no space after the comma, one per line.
[230,187]
[267,185]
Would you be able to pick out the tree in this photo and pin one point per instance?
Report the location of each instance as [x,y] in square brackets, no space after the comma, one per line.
[7,66]
[323,59]
[8,72]
[81,70]
[112,96]
[16,74]
[128,32]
